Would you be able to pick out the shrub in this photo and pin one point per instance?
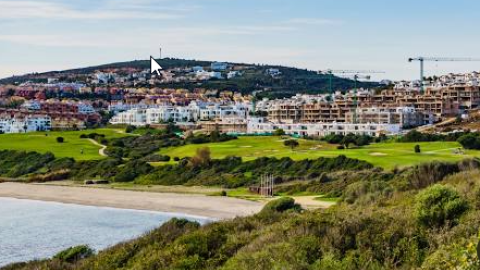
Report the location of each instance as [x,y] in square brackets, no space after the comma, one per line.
[470,141]
[201,158]
[279,132]
[130,129]
[60,140]
[439,205]
[176,159]
[280,205]
[74,254]
[341,147]
[156,158]
[291,143]
[417,149]
[83,136]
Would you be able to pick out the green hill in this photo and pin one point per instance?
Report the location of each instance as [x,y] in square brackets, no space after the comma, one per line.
[255,78]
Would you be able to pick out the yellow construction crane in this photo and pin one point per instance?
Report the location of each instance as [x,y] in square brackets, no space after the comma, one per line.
[422,61]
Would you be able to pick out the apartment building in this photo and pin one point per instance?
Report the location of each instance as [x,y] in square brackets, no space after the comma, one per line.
[229,126]
[262,126]
[180,114]
[24,123]
[405,116]
[58,120]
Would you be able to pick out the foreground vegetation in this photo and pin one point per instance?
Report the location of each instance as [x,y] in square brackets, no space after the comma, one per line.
[423,218]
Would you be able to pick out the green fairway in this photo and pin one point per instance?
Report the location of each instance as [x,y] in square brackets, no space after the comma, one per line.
[386,155]
[72,147]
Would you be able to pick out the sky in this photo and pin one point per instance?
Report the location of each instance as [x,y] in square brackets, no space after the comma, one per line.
[377,35]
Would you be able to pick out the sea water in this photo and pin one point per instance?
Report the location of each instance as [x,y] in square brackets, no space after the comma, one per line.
[36,230]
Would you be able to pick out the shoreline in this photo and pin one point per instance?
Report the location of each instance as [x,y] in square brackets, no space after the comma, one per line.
[217,208]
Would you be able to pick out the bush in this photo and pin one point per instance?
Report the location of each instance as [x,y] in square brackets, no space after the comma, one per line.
[417,149]
[341,147]
[470,141]
[83,136]
[156,158]
[176,159]
[291,143]
[74,254]
[130,129]
[439,205]
[280,205]
[279,132]
[60,140]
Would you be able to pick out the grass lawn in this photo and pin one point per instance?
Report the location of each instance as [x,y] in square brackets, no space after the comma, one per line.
[386,155]
[72,147]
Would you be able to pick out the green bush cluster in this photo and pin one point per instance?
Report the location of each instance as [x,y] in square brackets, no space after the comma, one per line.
[232,171]
[280,205]
[439,205]
[74,254]
[349,139]
[18,163]
[416,136]
[470,141]
[213,137]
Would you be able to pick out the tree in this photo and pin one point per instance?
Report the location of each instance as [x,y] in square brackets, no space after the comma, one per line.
[349,139]
[60,140]
[279,132]
[363,140]
[291,143]
[202,157]
[470,141]
[417,149]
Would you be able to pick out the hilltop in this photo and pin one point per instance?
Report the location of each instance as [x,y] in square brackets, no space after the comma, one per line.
[255,78]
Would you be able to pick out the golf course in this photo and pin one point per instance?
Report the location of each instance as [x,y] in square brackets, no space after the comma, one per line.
[387,155]
[73,146]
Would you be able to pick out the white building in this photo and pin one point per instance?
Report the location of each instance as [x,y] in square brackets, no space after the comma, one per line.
[219,66]
[207,75]
[24,124]
[181,114]
[136,117]
[233,74]
[260,126]
[85,108]
[32,105]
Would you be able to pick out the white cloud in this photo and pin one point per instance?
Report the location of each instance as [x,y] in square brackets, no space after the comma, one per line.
[48,10]
[314,21]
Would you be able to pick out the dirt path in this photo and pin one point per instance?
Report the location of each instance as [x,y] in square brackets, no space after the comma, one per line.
[310,203]
[101,151]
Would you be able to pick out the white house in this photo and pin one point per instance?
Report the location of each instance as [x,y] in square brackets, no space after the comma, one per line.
[32,105]
[219,66]
[24,124]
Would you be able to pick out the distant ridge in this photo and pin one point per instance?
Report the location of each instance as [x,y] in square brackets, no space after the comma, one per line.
[255,79]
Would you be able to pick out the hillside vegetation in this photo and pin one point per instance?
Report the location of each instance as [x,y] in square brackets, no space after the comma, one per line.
[427,218]
[291,81]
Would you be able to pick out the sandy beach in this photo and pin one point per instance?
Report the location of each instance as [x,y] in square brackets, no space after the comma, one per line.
[197,205]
